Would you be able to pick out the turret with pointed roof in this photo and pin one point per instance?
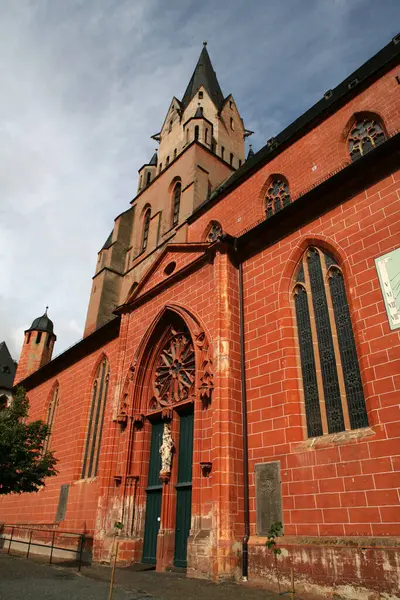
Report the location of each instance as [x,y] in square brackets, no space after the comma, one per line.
[38,346]
[204,76]
[201,143]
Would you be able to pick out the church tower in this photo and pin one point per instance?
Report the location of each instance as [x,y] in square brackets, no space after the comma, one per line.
[201,143]
[38,347]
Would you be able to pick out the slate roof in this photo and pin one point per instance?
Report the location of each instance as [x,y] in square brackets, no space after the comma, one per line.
[154,160]
[331,101]
[250,153]
[42,323]
[7,367]
[204,75]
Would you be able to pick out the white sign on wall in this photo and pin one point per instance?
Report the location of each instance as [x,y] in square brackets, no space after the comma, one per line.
[388,267]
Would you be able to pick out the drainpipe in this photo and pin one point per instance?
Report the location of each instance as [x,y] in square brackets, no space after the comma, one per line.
[245,548]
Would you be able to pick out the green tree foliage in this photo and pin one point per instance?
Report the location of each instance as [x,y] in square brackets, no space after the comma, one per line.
[24,465]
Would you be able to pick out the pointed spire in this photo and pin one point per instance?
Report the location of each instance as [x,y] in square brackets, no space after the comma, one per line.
[154,159]
[250,153]
[204,75]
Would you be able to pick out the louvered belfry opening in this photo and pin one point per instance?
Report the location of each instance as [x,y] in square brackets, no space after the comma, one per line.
[333,392]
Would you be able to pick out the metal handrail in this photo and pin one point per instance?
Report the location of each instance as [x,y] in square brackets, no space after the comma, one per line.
[81,539]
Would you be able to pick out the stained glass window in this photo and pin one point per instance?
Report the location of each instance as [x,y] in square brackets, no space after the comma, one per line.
[365,136]
[327,346]
[96,419]
[277,196]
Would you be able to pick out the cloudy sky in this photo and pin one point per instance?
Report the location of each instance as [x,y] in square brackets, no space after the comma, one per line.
[85,83]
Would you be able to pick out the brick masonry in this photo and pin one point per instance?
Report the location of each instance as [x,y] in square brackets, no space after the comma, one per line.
[340,493]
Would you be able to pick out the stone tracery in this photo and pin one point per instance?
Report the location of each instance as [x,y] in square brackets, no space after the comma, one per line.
[174,374]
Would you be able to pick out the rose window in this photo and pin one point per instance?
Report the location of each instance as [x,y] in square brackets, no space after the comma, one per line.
[175,370]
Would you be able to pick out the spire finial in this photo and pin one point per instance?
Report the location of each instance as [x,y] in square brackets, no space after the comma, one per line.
[205,43]
[47,308]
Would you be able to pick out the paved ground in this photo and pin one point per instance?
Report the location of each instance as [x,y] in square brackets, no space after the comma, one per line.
[31,580]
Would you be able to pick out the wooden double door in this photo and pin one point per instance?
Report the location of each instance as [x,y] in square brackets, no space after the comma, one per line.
[183,490]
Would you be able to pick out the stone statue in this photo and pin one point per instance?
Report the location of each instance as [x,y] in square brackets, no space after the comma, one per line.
[166,451]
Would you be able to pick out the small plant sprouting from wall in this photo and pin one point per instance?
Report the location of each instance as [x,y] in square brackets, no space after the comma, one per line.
[275,531]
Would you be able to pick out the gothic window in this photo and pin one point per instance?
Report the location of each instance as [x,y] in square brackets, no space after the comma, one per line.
[38,337]
[28,338]
[333,393]
[146,226]
[170,126]
[96,419]
[176,204]
[167,161]
[51,411]
[231,159]
[214,232]
[175,151]
[222,152]
[174,373]
[364,136]
[148,178]
[206,136]
[277,196]
[196,132]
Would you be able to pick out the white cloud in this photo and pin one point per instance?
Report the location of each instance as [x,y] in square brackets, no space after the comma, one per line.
[85,84]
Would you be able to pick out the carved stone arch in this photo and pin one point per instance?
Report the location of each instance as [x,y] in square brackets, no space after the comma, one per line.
[293,263]
[149,350]
[103,355]
[212,231]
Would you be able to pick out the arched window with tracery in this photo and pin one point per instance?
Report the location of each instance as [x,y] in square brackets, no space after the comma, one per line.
[176,203]
[333,392]
[173,377]
[96,420]
[146,227]
[51,412]
[364,136]
[277,196]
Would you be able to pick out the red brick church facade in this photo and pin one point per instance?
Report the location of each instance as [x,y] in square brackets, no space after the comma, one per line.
[237,322]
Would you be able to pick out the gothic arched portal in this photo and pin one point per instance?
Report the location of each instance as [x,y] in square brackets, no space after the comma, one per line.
[173,375]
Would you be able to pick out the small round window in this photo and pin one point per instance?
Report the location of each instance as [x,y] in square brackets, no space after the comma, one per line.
[170,268]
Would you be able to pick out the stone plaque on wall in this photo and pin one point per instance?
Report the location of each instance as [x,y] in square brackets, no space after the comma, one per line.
[268,496]
[62,502]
